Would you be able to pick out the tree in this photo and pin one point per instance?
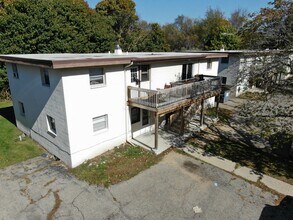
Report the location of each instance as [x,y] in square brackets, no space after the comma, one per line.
[52,26]
[238,18]
[122,16]
[216,32]
[155,40]
[182,34]
[271,28]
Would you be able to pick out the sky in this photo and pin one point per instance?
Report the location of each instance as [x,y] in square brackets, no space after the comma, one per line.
[165,11]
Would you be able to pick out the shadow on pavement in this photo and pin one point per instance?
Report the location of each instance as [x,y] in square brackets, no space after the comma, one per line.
[283,211]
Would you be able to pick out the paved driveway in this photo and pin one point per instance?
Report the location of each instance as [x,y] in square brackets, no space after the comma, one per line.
[43,189]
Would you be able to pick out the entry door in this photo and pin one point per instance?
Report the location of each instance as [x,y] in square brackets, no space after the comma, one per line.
[186,71]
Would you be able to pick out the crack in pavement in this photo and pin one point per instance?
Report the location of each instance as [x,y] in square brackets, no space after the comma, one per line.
[77,206]
[119,205]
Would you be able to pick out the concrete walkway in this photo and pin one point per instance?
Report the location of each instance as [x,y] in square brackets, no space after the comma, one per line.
[244,172]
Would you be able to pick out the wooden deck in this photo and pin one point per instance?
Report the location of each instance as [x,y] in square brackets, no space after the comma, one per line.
[181,95]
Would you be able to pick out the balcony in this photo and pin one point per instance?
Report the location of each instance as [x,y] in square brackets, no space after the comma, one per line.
[181,93]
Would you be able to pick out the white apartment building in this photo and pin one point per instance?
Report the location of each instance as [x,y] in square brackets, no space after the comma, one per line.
[78,106]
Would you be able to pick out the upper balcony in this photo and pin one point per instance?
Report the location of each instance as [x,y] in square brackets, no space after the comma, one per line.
[181,93]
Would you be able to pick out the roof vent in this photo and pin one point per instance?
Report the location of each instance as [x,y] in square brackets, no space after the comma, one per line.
[118,50]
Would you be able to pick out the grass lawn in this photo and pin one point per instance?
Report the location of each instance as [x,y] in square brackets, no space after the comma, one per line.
[11,149]
[117,165]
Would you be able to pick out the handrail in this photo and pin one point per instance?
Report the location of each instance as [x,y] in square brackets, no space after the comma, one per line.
[163,97]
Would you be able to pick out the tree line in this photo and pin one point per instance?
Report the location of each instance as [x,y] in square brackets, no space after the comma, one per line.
[71,26]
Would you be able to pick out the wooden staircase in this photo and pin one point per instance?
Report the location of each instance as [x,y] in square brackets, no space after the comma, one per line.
[188,113]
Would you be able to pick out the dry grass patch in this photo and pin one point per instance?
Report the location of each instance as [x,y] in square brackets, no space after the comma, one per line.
[117,165]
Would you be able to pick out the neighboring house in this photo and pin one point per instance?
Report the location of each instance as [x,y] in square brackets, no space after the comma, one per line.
[78,106]
[237,68]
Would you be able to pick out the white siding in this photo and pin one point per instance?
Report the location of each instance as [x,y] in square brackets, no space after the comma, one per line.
[83,104]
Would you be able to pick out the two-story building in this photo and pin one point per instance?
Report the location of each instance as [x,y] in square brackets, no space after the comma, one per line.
[78,106]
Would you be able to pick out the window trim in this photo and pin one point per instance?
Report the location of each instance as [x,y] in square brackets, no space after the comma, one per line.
[137,118]
[45,77]
[94,76]
[15,71]
[134,79]
[144,73]
[51,122]
[106,121]
[21,108]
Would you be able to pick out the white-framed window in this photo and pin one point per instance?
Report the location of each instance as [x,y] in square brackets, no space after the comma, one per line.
[21,108]
[45,77]
[51,125]
[186,71]
[144,73]
[15,71]
[100,123]
[134,71]
[97,77]
[209,64]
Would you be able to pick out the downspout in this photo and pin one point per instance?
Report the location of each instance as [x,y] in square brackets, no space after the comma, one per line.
[126,98]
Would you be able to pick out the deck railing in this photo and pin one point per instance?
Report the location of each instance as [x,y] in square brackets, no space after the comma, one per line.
[179,92]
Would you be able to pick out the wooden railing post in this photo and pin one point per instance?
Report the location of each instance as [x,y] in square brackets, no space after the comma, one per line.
[156,130]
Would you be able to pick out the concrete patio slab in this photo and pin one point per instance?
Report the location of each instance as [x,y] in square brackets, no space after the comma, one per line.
[277,185]
[247,173]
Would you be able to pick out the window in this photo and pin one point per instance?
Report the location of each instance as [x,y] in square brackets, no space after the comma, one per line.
[133,74]
[144,73]
[97,77]
[135,115]
[145,117]
[15,71]
[224,80]
[186,71]
[45,77]
[100,123]
[51,124]
[21,108]
[209,64]
[225,60]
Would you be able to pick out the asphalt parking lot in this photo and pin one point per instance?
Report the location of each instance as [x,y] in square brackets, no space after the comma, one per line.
[179,187]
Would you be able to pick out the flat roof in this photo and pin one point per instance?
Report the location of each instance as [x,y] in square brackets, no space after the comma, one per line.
[71,60]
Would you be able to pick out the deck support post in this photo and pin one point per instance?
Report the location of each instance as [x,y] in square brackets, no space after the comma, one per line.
[217,106]
[182,121]
[156,129]
[201,112]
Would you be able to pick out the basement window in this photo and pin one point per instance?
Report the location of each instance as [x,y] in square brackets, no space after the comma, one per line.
[21,108]
[100,123]
[145,117]
[15,71]
[51,125]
